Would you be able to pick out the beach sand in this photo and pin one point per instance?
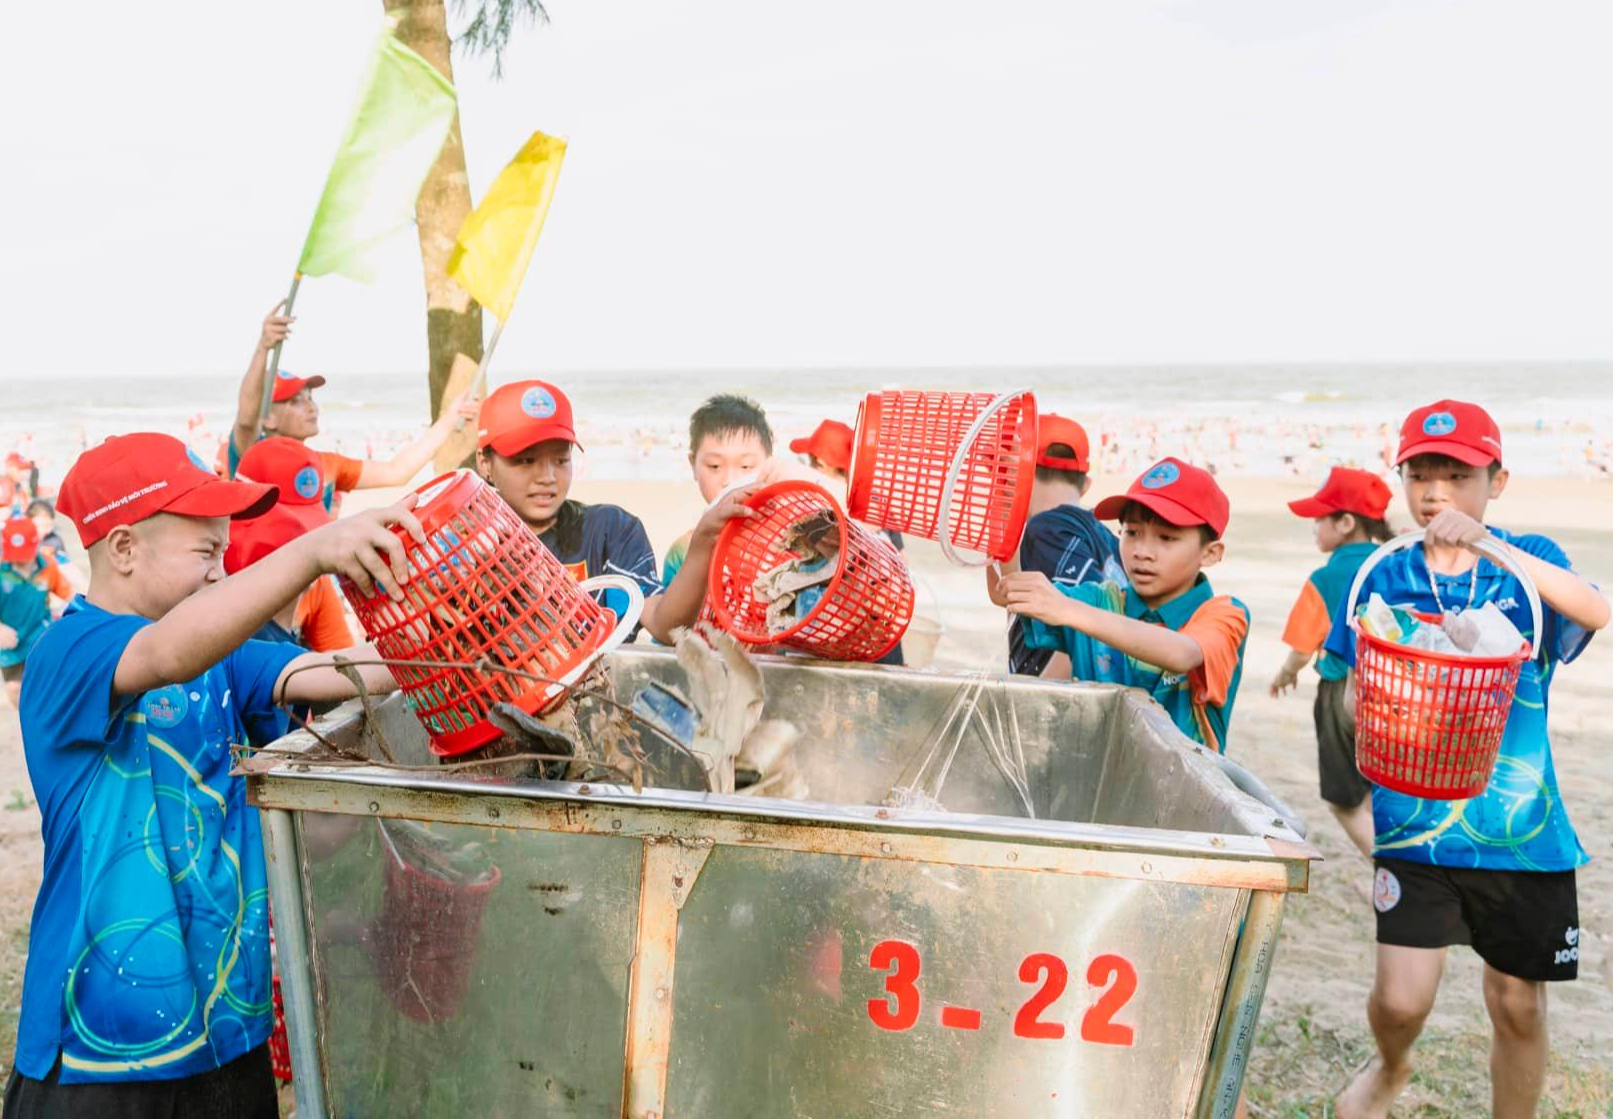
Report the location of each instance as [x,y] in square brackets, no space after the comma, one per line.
[1324,964]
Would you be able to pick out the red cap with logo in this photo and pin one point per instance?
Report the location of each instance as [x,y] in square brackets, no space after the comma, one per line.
[287,384]
[299,474]
[1346,491]
[1181,494]
[830,444]
[19,541]
[1051,429]
[131,477]
[1464,432]
[519,415]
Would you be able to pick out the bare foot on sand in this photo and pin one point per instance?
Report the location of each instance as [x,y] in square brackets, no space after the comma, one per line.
[1371,1092]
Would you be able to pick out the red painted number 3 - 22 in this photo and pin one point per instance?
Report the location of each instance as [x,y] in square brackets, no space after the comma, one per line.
[1047,975]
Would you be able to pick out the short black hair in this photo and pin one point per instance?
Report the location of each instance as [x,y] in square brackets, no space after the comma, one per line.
[41,503]
[1376,528]
[729,414]
[1137,511]
[1446,462]
[1077,478]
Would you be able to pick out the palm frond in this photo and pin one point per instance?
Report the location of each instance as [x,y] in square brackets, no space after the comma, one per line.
[492,23]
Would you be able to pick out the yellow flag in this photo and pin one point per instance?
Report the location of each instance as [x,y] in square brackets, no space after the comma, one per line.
[494,246]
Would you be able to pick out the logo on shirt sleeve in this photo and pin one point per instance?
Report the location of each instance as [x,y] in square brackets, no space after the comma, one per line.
[165,707]
[1161,476]
[1439,423]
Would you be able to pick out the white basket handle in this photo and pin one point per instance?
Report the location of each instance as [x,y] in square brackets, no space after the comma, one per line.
[624,625]
[943,527]
[1489,546]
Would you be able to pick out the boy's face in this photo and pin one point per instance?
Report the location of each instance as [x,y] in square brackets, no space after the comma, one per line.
[167,558]
[297,418]
[44,522]
[534,482]
[1433,487]
[1162,560]
[720,459]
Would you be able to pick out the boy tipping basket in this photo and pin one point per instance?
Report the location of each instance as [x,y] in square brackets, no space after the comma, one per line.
[1495,871]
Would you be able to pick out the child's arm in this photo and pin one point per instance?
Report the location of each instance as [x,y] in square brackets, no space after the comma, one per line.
[1032,595]
[276,327]
[403,466]
[1288,674]
[679,604]
[210,624]
[1561,589]
[8,637]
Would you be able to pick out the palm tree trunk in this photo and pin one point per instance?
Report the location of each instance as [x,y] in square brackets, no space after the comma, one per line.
[453,319]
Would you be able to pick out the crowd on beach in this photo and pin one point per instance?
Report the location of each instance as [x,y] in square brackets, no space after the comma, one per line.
[205,605]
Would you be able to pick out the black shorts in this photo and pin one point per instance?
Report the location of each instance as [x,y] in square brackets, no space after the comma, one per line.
[1521,922]
[242,1089]
[1342,783]
[11,672]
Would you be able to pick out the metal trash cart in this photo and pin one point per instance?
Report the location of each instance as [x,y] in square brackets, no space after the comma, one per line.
[682,955]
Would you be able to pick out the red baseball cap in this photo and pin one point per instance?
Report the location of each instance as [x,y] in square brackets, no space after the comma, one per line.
[131,477]
[1463,431]
[288,465]
[518,415]
[19,541]
[252,539]
[1183,495]
[830,444]
[288,384]
[1052,429]
[1346,491]
[16,459]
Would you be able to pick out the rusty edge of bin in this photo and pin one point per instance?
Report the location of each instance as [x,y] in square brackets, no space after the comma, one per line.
[1240,1008]
[1234,861]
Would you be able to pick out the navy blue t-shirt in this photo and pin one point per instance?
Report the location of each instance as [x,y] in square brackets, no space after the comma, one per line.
[1070,546]
[603,540]
[148,957]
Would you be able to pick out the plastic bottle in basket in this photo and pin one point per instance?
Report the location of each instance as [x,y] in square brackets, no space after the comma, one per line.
[483,592]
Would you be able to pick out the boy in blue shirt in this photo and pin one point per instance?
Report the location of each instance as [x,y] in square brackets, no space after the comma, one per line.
[1496,871]
[1348,516]
[147,984]
[1167,632]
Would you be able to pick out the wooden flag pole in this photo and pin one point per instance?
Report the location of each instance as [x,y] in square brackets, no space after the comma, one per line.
[479,385]
[274,359]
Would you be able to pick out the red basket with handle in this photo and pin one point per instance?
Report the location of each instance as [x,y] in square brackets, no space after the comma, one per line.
[865,606]
[483,586]
[954,467]
[1430,724]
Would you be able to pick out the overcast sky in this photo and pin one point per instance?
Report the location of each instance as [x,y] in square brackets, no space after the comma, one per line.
[848,182]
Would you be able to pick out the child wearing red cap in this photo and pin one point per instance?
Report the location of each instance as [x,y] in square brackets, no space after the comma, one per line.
[1495,871]
[1348,515]
[525,438]
[1167,632]
[827,449]
[28,581]
[314,619]
[1062,540]
[294,415]
[147,983]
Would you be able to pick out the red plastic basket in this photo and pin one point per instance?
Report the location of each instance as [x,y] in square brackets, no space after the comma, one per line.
[425,939]
[483,585]
[279,1043]
[866,606]
[1430,724]
[954,467]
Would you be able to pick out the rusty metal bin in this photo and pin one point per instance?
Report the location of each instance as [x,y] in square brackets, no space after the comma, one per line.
[678,955]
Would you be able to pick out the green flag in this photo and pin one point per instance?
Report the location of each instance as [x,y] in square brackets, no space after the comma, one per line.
[404,112]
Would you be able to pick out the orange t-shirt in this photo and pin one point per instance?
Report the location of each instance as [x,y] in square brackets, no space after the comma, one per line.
[1309,622]
[319,621]
[1219,626]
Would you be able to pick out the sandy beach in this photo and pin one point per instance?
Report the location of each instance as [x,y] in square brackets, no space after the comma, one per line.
[1313,1027]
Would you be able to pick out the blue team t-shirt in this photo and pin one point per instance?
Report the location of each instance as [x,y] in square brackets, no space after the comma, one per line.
[148,958]
[1070,546]
[1520,822]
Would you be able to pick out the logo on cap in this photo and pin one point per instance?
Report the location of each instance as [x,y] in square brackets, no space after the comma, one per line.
[1161,476]
[538,403]
[196,460]
[166,707]
[1439,423]
[285,374]
[18,540]
[306,483]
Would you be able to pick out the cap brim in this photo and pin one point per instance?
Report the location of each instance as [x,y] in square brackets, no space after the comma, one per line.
[1311,508]
[1461,452]
[801,446]
[225,499]
[1172,512]
[512,443]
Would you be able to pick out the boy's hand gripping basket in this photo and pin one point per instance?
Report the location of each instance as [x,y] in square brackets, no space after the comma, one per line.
[864,608]
[483,587]
[954,467]
[1430,724]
